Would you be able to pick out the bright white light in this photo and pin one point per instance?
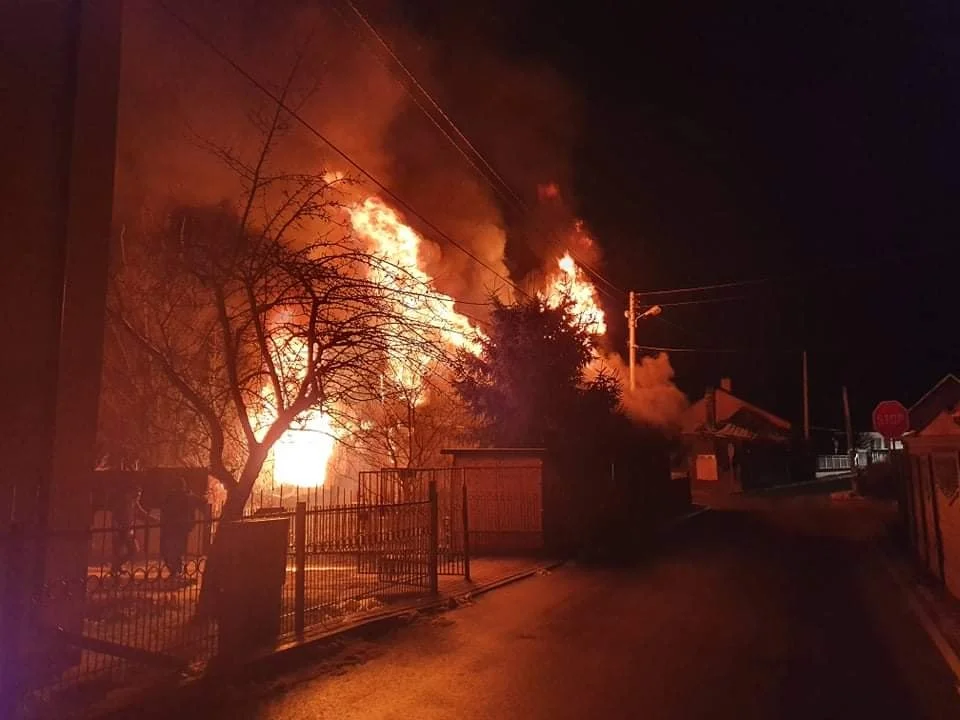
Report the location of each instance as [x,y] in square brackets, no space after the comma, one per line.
[300,456]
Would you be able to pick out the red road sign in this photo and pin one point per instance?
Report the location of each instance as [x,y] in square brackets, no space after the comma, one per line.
[891,419]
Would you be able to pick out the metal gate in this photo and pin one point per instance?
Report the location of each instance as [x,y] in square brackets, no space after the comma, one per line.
[408,485]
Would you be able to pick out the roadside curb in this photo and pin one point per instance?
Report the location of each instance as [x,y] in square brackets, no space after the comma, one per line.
[445,601]
[698,510]
[761,492]
[928,618]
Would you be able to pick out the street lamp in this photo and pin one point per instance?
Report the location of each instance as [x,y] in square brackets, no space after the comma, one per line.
[632,319]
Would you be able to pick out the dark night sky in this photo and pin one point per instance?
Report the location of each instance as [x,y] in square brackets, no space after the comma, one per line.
[811,143]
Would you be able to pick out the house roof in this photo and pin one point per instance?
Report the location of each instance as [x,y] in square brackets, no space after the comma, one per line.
[748,423]
[942,397]
[694,413]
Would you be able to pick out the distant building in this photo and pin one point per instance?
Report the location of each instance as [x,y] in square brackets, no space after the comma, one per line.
[943,396]
[933,487]
[734,445]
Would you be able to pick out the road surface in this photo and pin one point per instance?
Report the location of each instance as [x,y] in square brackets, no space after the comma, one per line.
[770,609]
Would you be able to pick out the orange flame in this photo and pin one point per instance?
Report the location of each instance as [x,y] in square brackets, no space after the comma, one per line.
[399,270]
[571,285]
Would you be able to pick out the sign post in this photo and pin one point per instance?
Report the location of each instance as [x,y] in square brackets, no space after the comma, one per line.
[891,419]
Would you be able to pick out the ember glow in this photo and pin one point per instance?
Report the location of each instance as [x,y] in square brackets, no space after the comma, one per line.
[399,271]
[570,284]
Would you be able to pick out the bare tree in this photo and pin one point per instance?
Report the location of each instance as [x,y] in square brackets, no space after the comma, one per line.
[257,314]
[408,426]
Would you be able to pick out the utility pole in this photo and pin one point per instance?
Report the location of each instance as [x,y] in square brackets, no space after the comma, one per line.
[632,339]
[806,400]
[632,319]
[851,451]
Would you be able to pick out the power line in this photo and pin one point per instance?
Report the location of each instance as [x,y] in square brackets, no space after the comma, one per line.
[793,276]
[730,298]
[416,83]
[714,350]
[474,157]
[320,136]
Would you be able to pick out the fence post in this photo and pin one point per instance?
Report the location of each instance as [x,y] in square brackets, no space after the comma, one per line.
[300,577]
[466,531]
[433,557]
[12,596]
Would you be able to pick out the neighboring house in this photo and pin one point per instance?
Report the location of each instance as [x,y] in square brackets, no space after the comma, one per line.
[945,395]
[933,481]
[733,444]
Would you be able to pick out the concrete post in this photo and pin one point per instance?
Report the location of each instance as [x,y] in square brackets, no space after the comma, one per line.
[300,577]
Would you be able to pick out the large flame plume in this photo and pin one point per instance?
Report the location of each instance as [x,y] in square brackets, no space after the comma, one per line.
[399,270]
[428,322]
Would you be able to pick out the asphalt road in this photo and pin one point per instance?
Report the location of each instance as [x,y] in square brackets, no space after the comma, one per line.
[773,609]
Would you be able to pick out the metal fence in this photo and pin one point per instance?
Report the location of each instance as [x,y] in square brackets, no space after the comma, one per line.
[133,613]
[124,614]
[416,484]
[133,610]
[862,459]
[833,463]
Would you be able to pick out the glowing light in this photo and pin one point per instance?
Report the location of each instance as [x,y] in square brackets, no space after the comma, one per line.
[303,451]
[301,455]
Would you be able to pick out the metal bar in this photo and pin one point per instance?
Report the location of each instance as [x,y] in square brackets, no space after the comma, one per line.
[121,650]
[466,530]
[432,553]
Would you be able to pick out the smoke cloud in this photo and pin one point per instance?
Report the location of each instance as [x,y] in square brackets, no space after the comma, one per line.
[655,401]
[179,100]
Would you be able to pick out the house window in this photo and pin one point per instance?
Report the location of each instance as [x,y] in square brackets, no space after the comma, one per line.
[946,473]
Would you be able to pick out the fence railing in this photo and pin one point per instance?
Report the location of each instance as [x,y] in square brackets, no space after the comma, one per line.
[862,458]
[833,463]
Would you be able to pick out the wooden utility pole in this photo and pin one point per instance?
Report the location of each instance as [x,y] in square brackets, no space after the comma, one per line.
[806,400]
[851,450]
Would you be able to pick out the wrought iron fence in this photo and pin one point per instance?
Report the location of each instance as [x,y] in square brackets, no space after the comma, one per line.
[359,558]
[414,485]
[134,608]
[131,611]
[114,606]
